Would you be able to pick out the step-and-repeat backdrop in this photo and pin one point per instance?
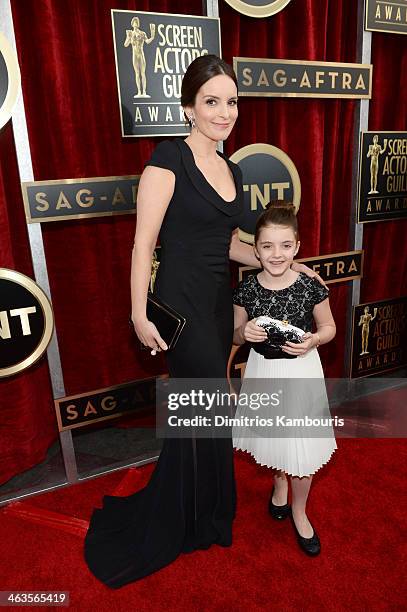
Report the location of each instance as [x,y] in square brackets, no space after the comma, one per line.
[152,52]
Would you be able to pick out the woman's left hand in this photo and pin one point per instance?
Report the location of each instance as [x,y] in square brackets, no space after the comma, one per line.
[308,343]
[299,267]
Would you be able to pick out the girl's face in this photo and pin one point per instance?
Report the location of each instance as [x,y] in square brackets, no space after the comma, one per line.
[215,108]
[276,248]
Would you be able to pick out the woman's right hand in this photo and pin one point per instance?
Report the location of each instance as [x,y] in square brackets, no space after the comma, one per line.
[148,334]
[253,332]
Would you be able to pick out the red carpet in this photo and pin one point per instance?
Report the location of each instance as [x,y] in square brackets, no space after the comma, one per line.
[357,504]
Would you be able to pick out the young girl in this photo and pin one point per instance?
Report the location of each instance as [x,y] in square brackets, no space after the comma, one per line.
[293,299]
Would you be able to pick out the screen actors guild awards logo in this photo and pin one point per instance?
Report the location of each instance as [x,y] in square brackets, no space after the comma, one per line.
[379,337]
[136,38]
[374,151]
[365,321]
[152,57]
[382,176]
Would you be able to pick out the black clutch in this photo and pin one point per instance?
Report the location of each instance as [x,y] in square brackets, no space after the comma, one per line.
[278,333]
[168,321]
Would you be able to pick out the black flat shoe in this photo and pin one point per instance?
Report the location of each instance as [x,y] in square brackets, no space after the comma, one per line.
[312,545]
[278,512]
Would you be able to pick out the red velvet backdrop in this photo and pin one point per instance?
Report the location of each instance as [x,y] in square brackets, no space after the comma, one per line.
[69,84]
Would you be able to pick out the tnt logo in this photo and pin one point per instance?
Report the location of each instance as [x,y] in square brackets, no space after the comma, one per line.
[268,174]
[10,80]
[22,313]
[26,322]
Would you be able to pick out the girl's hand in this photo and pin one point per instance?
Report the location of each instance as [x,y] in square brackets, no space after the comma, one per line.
[253,332]
[148,334]
[299,267]
[308,342]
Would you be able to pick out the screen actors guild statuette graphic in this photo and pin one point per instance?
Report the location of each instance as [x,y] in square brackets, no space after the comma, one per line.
[136,38]
[374,151]
[364,321]
[154,269]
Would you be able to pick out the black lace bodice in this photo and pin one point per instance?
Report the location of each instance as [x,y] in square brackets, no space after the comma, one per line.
[294,303]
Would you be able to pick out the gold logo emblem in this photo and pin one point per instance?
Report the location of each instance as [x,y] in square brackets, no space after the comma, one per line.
[10,80]
[136,38]
[365,321]
[268,174]
[258,9]
[26,322]
[374,151]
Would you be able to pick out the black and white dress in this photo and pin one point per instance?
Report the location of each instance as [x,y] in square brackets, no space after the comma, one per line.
[303,397]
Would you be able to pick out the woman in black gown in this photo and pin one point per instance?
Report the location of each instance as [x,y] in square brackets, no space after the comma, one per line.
[190,195]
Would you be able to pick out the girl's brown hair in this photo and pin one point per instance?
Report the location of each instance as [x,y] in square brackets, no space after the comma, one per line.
[198,72]
[278,212]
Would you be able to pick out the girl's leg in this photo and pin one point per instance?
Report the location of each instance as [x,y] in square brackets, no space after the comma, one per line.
[280,489]
[300,488]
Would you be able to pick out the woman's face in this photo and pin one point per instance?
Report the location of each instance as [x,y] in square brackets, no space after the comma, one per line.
[276,248]
[215,108]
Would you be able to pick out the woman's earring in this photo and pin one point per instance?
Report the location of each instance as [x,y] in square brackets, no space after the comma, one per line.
[192,121]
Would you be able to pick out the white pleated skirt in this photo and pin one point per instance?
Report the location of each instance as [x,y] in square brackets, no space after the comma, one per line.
[298,455]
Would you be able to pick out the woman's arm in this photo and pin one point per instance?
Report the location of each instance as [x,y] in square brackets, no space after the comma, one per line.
[155,191]
[242,252]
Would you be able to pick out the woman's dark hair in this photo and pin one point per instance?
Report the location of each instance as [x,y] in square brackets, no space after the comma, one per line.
[198,72]
[278,212]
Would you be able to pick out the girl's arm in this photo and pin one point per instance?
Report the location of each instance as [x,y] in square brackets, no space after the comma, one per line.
[326,330]
[155,191]
[243,253]
[245,330]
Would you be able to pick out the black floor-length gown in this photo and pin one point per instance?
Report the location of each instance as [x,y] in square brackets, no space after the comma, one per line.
[189,502]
